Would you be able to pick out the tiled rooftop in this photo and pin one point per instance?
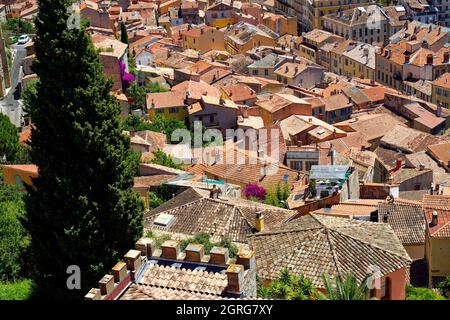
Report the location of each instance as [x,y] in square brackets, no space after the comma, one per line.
[440,204]
[315,244]
[407,221]
[224,217]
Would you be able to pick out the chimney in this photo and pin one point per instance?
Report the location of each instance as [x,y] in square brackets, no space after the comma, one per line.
[421,166]
[332,154]
[214,192]
[407,56]
[146,246]
[119,271]
[390,180]
[133,260]
[259,221]
[194,252]
[235,276]
[398,165]
[93,294]
[219,256]
[446,57]
[429,59]
[434,219]
[439,110]
[170,249]
[386,217]
[246,258]
[106,284]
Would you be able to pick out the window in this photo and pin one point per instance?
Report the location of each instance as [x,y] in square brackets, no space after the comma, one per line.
[386,288]
[159,111]
[255,72]
[19,182]
[266,72]
[211,118]
[296,165]
[174,110]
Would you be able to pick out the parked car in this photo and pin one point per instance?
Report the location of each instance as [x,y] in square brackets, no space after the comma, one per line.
[23,39]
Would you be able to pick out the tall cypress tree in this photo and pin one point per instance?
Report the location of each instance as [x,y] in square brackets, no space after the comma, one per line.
[123,33]
[82,210]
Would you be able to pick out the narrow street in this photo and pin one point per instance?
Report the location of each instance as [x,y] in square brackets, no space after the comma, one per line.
[11,104]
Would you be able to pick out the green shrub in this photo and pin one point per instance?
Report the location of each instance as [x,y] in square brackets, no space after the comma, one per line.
[287,287]
[19,290]
[414,293]
[204,239]
[14,240]
[444,286]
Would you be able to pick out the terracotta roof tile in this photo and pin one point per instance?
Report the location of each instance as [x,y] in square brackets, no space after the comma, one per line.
[443,81]
[165,99]
[239,93]
[231,218]
[314,245]
[407,221]
[196,89]
[440,204]
[410,140]
[441,152]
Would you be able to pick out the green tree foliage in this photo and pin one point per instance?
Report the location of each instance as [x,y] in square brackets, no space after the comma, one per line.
[347,288]
[123,33]
[154,200]
[138,94]
[166,160]
[158,124]
[18,26]
[413,293]
[444,286]
[287,287]
[83,210]
[204,239]
[14,240]
[279,196]
[17,290]
[9,138]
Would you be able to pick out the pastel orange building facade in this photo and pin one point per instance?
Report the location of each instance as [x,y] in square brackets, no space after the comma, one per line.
[19,174]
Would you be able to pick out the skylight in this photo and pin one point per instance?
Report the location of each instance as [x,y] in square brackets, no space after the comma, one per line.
[164,219]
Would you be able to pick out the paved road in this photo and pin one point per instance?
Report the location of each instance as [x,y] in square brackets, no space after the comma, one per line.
[11,105]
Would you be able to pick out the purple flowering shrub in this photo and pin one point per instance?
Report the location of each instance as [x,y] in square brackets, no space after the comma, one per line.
[253,190]
[127,78]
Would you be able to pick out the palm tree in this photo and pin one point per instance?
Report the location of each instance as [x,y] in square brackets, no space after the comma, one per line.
[344,289]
